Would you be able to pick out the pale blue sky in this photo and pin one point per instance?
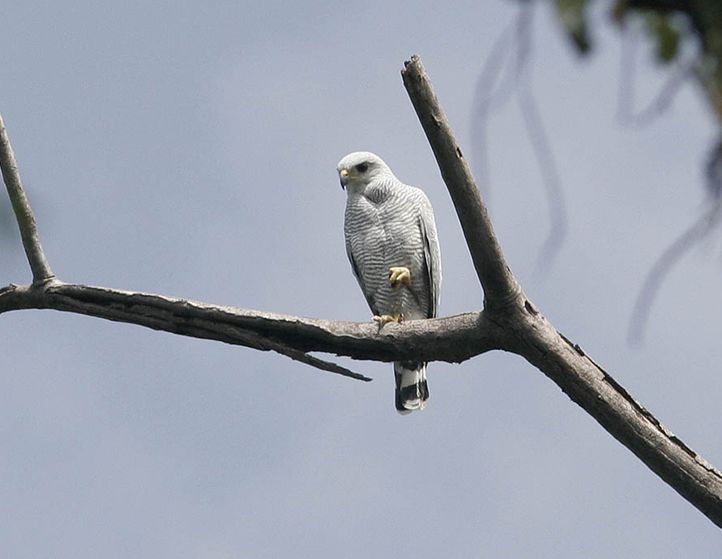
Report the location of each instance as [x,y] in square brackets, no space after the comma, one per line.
[191,150]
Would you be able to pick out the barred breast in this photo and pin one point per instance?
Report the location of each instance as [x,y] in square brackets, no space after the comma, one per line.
[382,228]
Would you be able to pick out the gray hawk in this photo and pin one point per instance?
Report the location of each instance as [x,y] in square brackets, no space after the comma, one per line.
[394,251]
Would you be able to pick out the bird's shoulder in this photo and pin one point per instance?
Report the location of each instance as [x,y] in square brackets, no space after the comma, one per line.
[415,195]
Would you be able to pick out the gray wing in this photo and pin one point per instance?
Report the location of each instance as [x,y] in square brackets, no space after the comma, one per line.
[354,267]
[432,254]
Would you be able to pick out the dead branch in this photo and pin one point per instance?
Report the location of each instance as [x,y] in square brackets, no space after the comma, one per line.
[509,321]
[452,339]
[529,334]
[22,210]
[500,286]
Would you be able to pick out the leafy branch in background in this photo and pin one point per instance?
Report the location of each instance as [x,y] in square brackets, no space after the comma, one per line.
[673,28]
[509,320]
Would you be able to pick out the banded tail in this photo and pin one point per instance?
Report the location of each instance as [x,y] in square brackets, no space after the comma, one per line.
[411,389]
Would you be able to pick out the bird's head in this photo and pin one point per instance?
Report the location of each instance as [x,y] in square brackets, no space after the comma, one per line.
[360,168]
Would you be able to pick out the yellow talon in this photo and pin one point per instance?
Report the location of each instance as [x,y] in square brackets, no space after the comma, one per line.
[399,275]
[384,319]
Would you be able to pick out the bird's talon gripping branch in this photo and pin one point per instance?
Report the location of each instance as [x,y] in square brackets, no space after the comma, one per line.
[384,319]
[399,275]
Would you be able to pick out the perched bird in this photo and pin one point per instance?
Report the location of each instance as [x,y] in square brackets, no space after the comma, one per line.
[394,252]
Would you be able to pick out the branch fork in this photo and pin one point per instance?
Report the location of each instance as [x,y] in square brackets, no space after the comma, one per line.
[509,321]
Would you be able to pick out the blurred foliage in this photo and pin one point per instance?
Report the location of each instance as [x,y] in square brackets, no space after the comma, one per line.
[669,24]
[665,30]
[665,27]
[686,35]
[573,16]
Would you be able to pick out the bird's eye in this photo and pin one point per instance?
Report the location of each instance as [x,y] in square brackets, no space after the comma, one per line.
[362,167]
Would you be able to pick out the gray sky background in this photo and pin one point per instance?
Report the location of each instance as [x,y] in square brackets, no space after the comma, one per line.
[190,150]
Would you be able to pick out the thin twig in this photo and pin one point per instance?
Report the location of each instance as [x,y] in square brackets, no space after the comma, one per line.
[321,364]
[23,212]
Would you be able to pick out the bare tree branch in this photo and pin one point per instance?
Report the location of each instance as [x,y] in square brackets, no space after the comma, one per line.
[529,334]
[317,363]
[587,384]
[508,322]
[24,214]
[451,339]
[500,286]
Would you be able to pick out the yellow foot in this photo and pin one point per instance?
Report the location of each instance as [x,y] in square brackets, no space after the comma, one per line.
[399,275]
[384,319]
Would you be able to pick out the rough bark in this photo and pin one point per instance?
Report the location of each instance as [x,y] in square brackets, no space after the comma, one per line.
[22,210]
[530,335]
[500,286]
[452,339]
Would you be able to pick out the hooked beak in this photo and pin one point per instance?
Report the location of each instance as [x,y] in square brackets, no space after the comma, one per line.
[343,174]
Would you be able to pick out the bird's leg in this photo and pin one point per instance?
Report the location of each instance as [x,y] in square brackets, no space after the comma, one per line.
[399,275]
[384,319]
